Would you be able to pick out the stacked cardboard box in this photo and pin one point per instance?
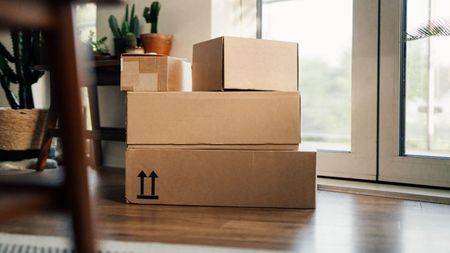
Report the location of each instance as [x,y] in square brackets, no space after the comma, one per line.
[234,145]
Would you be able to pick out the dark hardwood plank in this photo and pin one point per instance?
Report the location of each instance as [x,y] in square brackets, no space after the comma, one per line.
[341,223]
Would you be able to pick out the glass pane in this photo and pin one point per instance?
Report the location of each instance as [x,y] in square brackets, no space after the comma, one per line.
[427,78]
[323,29]
[86,15]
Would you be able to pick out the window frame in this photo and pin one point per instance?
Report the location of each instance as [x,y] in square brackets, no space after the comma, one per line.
[377,125]
[394,165]
[361,161]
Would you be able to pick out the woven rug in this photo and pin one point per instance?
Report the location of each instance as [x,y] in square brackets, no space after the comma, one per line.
[16,243]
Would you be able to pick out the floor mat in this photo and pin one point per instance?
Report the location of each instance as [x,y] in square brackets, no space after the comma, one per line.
[16,243]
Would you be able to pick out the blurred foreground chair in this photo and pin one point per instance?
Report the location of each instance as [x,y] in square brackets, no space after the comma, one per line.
[36,191]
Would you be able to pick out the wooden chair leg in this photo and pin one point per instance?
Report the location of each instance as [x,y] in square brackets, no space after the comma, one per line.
[47,140]
[95,119]
[64,73]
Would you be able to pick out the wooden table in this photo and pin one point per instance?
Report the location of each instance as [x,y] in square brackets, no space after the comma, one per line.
[107,73]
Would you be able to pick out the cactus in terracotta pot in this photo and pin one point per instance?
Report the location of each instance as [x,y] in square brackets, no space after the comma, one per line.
[151,15]
[130,24]
[154,42]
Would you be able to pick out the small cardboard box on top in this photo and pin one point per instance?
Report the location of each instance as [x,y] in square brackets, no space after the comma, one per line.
[146,72]
[213,118]
[244,178]
[230,63]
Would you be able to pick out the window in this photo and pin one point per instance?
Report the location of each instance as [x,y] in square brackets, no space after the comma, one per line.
[413,90]
[323,29]
[85,15]
[427,79]
[338,43]
[395,96]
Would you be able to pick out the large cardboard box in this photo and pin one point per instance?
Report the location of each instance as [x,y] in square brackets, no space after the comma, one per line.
[281,179]
[229,63]
[144,72]
[223,146]
[231,118]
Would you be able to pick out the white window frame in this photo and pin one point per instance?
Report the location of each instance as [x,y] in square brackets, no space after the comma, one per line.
[361,161]
[375,125]
[393,166]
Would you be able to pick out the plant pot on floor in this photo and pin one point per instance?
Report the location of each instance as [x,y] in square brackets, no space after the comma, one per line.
[21,133]
[157,43]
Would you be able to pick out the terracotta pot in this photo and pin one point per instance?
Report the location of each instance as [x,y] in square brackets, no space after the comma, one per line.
[21,129]
[157,43]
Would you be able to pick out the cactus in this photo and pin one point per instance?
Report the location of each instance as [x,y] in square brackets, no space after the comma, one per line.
[114,26]
[151,15]
[131,40]
[27,45]
[129,24]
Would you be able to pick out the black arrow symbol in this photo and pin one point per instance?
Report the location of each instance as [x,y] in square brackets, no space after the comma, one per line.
[153,176]
[142,176]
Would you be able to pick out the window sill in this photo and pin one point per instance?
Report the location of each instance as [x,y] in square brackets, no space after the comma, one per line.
[440,196]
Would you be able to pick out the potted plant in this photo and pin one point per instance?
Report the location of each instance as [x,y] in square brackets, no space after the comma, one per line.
[130,24]
[99,47]
[154,42]
[21,126]
[131,42]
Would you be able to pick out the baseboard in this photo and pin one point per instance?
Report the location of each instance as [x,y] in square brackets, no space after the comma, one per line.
[439,196]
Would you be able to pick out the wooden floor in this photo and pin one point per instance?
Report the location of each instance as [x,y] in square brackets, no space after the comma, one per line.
[341,223]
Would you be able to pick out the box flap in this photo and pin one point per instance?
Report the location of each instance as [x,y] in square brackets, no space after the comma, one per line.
[207,65]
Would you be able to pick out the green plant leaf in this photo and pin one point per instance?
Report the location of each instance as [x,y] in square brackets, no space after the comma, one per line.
[436,27]
[132,13]
[134,26]
[5,53]
[126,15]
[114,26]
[146,14]
[12,99]
[6,70]
[36,45]
[102,40]
[125,28]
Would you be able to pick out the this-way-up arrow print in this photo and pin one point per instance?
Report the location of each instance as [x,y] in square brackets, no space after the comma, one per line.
[153,177]
[142,176]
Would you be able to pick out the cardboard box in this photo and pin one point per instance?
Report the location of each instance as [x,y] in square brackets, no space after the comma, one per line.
[144,72]
[281,179]
[231,118]
[221,147]
[229,63]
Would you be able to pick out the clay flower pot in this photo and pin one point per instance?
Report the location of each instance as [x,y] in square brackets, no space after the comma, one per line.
[157,43]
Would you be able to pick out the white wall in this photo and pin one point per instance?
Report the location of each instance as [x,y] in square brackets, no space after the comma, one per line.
[188,21]
[233,18]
